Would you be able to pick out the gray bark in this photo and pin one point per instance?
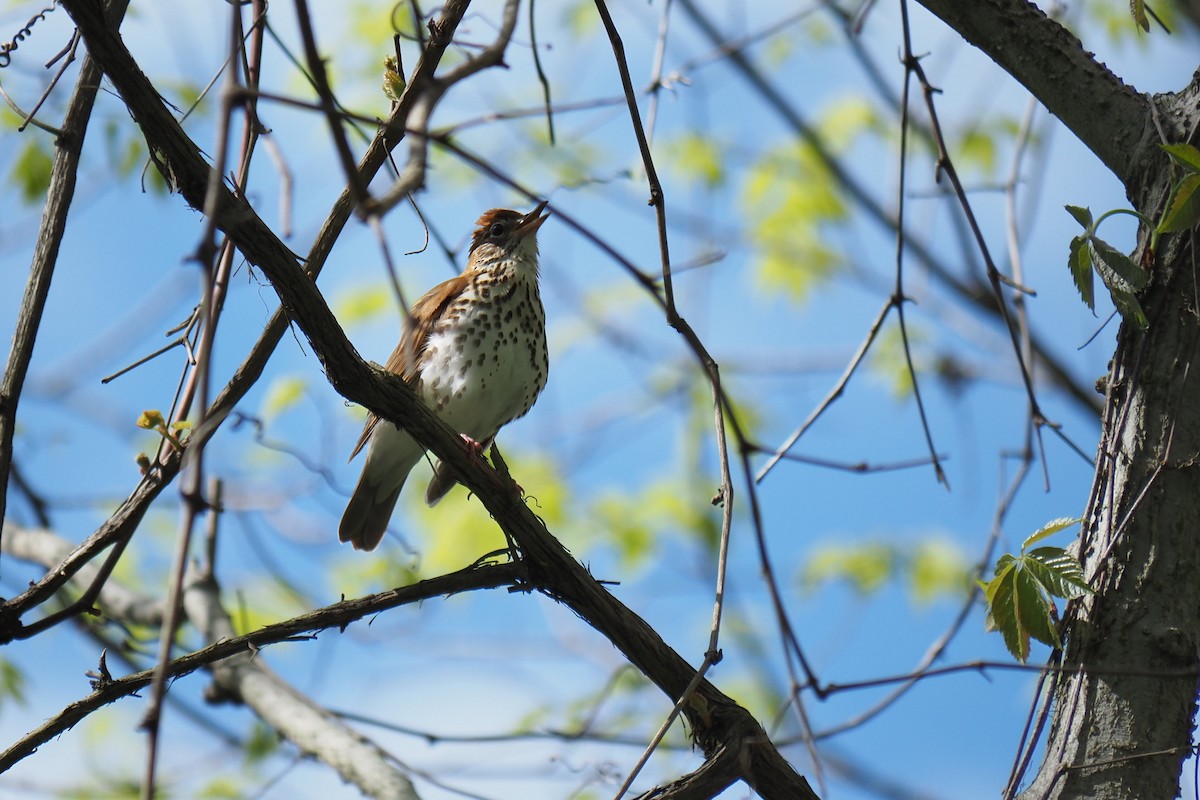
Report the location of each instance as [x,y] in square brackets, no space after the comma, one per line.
[1124,708]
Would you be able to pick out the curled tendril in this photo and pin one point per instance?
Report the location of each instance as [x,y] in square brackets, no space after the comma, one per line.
[7,48]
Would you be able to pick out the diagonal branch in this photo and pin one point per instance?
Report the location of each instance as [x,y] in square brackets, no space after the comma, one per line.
[716,720]
[1110,118]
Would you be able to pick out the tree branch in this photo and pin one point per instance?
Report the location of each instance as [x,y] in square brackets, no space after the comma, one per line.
[247,679]
[46,548]
[973,292]
[1110,118]
[338,615]
[716,720]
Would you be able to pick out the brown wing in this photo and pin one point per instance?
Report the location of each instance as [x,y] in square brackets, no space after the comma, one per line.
[404,360]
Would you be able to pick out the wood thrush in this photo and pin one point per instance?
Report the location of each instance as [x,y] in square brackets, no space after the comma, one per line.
[474,348]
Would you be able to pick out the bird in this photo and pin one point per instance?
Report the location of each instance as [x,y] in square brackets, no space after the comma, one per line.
[474,349]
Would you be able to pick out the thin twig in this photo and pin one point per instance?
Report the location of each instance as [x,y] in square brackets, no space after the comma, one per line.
[69,52]
[329,106]
[59,195]
[966,290]
[656,70]
[898,297]
[834,393]
[215,267]
[945,165]
[541,74]
[427,96]
[658,201]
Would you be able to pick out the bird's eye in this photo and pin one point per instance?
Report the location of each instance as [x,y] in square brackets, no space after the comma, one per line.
[497,229]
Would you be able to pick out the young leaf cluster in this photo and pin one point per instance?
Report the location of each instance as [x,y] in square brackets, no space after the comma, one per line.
[1092,255]
[1020,594]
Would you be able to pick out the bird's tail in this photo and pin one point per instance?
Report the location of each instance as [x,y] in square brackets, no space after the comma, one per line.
[367,514]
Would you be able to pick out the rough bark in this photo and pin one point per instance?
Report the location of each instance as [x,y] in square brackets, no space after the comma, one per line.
[1109,117]
[1124,710]
[1124,705]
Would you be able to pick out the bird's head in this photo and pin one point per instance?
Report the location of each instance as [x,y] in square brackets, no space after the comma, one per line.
[504,233]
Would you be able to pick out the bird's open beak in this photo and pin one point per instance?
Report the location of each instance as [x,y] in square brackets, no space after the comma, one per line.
[531,221]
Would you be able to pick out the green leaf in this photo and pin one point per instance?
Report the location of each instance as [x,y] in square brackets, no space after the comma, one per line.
[222,787]
[778,49]
[791,202]
[283,393]
[1020,597]
[698,157]
[1050,528]
[1080,262]
[150,419]
[1185,155]
[1059,572]
[12,682]
[580,18]
[261,744]
[31,170]
[866,566]
[465,528]
[1184,212]
[360,304]
[1082,215]
[132,158]
[393,81]
[1002,612]
[370,33]
[938,567]
[1019,606]
[1035,611]
[628,533]
[1137,9]
[977,149]
[1117,263]
[1129,307]
[846,118]
[1122,277]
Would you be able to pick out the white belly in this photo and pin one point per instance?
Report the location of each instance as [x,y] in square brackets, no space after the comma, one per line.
[478,381]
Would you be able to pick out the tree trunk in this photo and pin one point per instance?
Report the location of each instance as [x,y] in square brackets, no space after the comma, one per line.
[1124,704]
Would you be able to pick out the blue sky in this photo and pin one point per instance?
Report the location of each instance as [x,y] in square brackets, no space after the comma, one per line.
[606,422]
